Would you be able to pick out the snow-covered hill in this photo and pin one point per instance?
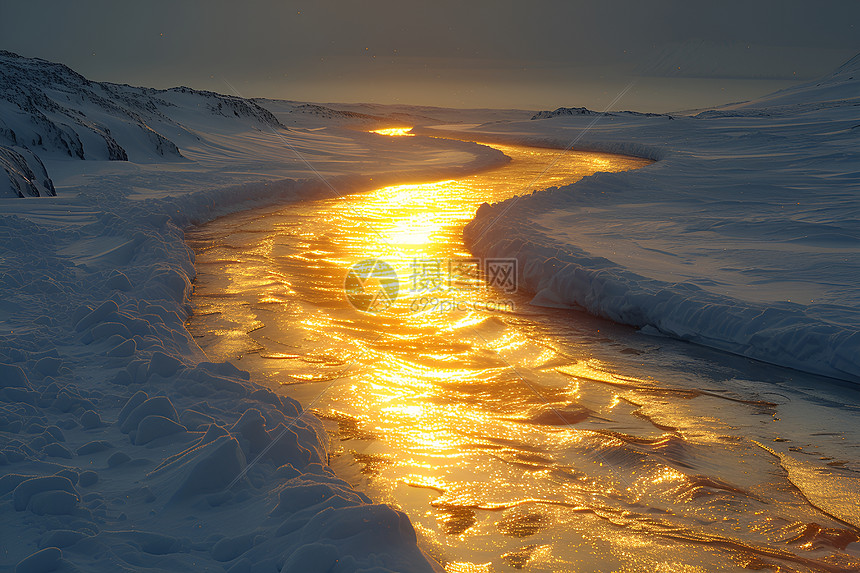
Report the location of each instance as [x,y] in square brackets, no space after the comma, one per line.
[841,88]
[49,110]
[563,111]
[295,110]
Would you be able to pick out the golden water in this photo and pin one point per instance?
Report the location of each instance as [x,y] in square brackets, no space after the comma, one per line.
[520,438]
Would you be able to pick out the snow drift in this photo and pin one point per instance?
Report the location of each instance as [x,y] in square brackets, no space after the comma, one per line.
[122,447]
[742,237]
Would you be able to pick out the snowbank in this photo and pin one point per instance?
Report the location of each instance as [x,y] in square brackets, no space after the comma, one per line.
[122,447]
[743,236]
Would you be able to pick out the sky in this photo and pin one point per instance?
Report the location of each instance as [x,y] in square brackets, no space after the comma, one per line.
[542,54]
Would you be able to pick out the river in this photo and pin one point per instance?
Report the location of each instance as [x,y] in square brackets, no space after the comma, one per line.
[517,437]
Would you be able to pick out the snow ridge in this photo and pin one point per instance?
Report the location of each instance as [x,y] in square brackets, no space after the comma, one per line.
[49,110]
[561,275]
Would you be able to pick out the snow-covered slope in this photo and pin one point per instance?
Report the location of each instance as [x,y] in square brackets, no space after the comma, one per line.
[744,235]
[292,112]
[48,110]
[840,88]
[122,448]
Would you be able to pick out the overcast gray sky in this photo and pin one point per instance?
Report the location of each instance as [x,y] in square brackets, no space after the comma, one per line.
[538,54]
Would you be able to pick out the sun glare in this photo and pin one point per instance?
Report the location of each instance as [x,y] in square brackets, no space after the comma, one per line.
[394,131]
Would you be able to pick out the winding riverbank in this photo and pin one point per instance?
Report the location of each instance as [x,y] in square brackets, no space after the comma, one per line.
[743,237]
[514,436]
[122,444]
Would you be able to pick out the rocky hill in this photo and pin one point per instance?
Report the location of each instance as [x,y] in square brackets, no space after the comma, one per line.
[49,110]
[563,111]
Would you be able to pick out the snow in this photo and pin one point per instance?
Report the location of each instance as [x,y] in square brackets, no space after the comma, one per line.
[742,236]
[122,447]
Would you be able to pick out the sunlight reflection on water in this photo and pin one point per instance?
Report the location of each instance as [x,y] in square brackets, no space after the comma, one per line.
[515,438]
[394,131]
